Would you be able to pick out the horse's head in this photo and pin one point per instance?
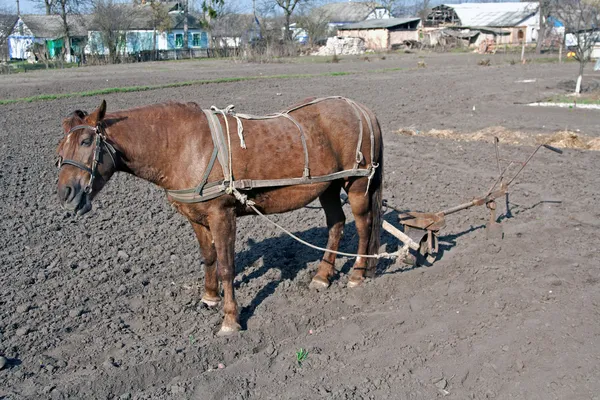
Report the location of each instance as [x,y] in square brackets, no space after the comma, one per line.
[86,160]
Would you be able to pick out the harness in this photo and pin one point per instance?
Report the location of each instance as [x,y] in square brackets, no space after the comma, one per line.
[100,142]
[222,152]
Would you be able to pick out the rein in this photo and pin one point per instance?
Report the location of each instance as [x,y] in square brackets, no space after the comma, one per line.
[100,142]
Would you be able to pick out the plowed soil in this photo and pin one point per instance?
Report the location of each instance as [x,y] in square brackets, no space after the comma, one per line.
[107,305]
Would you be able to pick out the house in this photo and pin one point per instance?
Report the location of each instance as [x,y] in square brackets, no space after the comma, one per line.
[350,12]
[513,22]
[231,30]
[140,34]
[7,23]
[47,30]
[382,34]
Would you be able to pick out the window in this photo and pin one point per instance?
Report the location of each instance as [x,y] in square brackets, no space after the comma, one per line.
[178,40]
[196,40]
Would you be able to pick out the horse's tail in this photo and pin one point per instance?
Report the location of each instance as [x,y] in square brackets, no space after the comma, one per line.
[376,201]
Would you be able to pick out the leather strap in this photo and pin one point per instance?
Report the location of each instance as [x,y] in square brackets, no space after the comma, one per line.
[216,189]
[209,168]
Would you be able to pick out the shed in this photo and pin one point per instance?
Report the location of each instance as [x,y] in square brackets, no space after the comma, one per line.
[383,33]
[518,21]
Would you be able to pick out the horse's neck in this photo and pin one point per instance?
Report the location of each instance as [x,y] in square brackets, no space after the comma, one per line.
[141,147]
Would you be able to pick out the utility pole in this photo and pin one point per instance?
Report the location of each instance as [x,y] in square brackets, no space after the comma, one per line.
[18,9]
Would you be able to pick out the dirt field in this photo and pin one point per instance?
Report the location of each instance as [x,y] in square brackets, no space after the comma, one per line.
[107,306]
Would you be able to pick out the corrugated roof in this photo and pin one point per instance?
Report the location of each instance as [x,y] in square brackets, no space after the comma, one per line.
[493,14]
[380,23]
[51,26]
[349,11]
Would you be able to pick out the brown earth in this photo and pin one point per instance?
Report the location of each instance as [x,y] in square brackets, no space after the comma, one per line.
[106,306]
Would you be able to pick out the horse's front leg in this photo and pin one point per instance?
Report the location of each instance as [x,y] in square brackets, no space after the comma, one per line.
[222,227]
[207,247]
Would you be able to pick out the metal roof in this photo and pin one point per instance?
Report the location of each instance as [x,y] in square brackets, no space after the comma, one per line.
[494,14]
[348,11]
[387,23]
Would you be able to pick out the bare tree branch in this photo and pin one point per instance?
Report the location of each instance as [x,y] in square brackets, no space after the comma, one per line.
[112,20]
[581,19]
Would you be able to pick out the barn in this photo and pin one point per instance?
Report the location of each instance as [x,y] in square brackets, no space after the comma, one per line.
[505,23]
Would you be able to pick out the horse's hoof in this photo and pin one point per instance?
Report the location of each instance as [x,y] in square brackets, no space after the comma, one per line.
[352,283]
[228,329]
[317,283]
[211,301]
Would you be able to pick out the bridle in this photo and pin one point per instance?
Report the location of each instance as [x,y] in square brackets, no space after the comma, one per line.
[100,142]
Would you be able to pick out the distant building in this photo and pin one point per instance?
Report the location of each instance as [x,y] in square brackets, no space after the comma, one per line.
[382,34]
[350,12]
[233,30]
[140,35]
[513,22]
[48,30]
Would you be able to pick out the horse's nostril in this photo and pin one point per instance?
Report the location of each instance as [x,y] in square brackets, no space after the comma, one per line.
[66,193]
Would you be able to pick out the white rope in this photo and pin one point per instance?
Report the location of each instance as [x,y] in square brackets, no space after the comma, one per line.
[244,200]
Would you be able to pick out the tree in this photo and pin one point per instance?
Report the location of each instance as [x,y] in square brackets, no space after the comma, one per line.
[316,25]
[7,23]
[581,19]
[48,5]
[423,9]
[212,10]
[161,21]
[66,8]
[112,20]
[288,7]
[389,5]
[544,15]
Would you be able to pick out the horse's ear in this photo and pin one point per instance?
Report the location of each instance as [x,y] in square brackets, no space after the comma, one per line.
[98,115]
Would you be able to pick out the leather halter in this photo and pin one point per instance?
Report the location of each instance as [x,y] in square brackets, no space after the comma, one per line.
[100,141]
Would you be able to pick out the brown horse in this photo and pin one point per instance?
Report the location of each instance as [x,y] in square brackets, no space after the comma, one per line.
[171,145]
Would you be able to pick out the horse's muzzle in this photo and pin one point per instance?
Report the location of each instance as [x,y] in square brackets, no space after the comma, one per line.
[75,199]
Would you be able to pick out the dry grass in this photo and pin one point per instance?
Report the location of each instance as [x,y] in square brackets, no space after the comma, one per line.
[563,139]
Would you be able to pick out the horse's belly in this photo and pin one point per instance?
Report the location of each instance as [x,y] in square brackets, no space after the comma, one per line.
[280,200]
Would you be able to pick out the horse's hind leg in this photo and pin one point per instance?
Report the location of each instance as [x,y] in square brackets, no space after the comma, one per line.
[361,208]
[330,200]
[209,253]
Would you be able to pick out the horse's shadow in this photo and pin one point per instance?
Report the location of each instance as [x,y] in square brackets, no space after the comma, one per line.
[291,257]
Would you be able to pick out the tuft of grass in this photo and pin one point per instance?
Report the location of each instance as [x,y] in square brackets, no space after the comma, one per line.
[301,356]
[578,100]
[129,89]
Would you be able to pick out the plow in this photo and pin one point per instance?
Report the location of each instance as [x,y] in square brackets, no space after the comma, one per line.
[420,231]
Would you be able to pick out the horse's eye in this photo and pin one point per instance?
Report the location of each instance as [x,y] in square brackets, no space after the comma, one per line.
[86,142]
